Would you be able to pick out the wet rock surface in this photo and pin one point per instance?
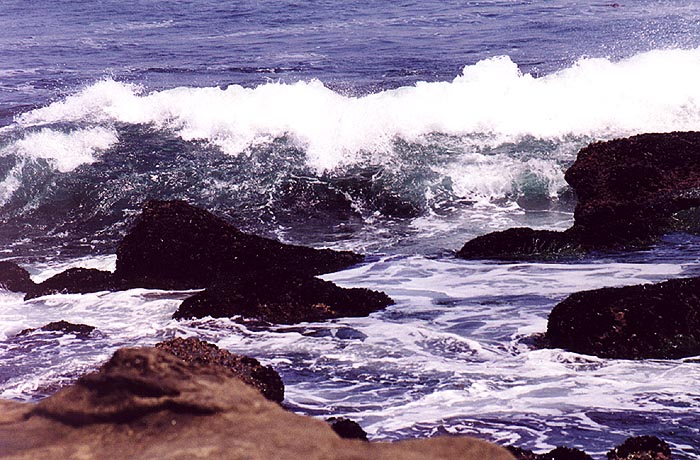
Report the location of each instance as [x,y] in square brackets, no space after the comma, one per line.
[14,278]
[146,403]
[634,322]
[249,370]
[177,246]
[80,330]
[280,297]
[629,193]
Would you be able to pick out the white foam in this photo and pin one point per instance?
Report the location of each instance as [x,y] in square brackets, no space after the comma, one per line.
[64,150]
[491,101]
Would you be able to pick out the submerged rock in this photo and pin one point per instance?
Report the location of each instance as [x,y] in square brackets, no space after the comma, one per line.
[146,403]
[280,297]
[560,453]
[641,448]
[177,246]
[80,330]
[14,278]
[634,322]
[249,370]
[629,191]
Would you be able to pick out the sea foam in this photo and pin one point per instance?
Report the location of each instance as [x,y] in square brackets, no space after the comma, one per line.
[491,102]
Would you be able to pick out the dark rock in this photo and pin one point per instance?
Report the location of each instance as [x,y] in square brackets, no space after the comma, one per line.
[347,429]
[81,330]
[146,403]
[74,281]
[630,192]
[634,322]
[565,453]
[279,297]
[177,246]
[249,370]
[560,453]
[641,448]
[14,278]
[521,244]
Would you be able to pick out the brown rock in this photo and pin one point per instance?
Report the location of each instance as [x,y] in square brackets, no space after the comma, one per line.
[147,404]
[249,370]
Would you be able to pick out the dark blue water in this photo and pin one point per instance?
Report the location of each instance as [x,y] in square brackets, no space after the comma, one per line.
[396,129]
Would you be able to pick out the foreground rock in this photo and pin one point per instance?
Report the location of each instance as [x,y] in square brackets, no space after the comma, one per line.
[177,246]
[278,297]
[248,370]
[634,322]
[146,404]
[629,191]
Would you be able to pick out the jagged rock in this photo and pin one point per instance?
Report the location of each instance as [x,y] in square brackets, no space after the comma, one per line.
[641,448]
[147,403]
[80,330]
[634,322]
[521,244]
[74,281]
[629,191]
[177,246]
[280,297]
[249,370]
[14,278]
[560,453]
[347,429]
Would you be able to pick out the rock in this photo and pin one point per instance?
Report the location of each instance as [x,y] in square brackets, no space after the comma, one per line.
[14,278]
[347,429]
[80,330]
[280,297]
[521,244]
[560,453]
[634,322]
[630,192]
[641,448]
[248,370]
[74,281]
[147,403]
[177,246]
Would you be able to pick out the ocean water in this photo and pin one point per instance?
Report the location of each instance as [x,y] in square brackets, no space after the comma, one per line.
[397,130]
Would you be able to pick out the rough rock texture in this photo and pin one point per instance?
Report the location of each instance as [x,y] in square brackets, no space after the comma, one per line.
[146,404]
[80,330]
[560,453]
[14,278]
[177,246]
[249,370]
[347,429]
[522,244]
[630,192]
[641,448]
[74,281]
[280,297]
[634,322]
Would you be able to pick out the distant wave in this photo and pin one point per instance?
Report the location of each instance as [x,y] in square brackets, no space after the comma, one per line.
[492,102]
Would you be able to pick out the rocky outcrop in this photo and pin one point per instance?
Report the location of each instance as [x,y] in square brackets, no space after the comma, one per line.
[147,403]
[80,330]
[633,322]
[177,246]
[635,448]
[14,278]
[248,370]
[641,448]
[74,281]
[629,191]
[280,297]
[347,429]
